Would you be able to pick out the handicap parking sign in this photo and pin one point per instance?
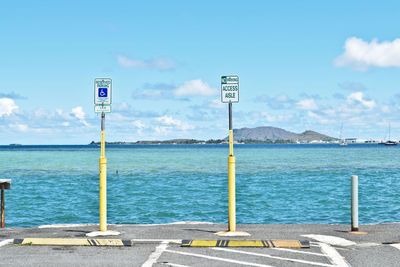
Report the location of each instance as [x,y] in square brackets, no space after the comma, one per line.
[102,91]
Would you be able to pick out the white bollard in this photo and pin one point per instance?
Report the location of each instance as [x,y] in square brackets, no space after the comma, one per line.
[354,203]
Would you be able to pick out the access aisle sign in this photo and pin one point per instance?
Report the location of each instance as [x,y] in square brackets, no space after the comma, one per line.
[102,91]
[230,89]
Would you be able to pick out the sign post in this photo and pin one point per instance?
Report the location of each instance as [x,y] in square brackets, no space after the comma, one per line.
[102,101]
[230,94]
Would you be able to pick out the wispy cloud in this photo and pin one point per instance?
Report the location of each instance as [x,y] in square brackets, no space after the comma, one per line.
[155,91]
[360,55]
[282,101]
[11,95]
[171,122]
[195,88]
[352,86]
[161,63]
[307,104]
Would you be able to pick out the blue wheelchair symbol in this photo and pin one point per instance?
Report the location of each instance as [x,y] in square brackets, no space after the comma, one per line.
[102,92]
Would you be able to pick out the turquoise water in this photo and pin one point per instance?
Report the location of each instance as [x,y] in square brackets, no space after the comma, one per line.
[168,183]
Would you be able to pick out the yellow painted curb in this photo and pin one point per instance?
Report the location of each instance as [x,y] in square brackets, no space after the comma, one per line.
[74,242]
[247,243]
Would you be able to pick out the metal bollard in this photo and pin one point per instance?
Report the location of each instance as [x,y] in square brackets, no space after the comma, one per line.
[354,203]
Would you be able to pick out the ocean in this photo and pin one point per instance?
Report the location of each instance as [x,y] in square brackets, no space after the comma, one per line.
[147,184]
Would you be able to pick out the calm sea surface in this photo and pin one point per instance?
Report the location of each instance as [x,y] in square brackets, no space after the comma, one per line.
[168,183]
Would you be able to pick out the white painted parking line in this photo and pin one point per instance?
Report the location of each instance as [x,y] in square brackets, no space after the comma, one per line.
[175,265]
[395,246]
[333,256]
[156,254]
[299,251]
[332,240]
[273,257]
[218,258]
[6,242]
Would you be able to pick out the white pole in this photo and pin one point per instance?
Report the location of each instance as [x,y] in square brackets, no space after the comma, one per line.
[354,203]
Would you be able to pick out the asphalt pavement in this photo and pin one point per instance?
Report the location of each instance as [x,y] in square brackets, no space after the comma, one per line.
[160,245]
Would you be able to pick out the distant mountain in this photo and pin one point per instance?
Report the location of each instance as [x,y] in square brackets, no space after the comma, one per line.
[272,133]
[262,134]
[309,136]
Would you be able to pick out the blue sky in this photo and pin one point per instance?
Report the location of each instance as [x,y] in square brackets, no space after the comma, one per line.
[303,65]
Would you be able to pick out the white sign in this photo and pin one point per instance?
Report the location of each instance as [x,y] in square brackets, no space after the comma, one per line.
[102,91]
[230,89]
[102,108]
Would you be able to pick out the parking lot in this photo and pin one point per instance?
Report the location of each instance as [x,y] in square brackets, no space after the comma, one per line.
[160,245]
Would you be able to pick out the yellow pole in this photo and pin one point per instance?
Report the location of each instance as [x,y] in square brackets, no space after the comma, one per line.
[231,178]
[232,194]
[103,180]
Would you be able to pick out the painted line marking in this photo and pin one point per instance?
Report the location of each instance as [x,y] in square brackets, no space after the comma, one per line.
[173,264]
[332,240]
[246,243]
[73,242]
[6,242]
[393,245]
[333,256]
[218,258]
[273,257]
[156,254]
[300,251]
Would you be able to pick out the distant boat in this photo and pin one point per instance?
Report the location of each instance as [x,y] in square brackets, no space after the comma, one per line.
[342,142]
[390,142]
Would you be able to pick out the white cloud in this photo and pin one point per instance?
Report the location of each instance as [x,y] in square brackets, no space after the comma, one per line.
[80,115]
[19,127]
[195,88]
[216,103]
[359,98]
[169,121]
[23,128]
[162,130]
[121,106]
[138,124]
[268,117]
[318,117]
[307,104]
[7,106]
[262,117]
[282,98]
[385,109]
[156,63]
[330,112]
[360,54]
[151,94]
